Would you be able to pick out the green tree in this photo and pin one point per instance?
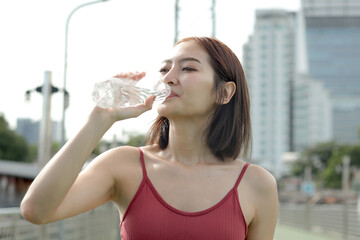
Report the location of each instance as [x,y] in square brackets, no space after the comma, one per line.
[33,152]
[332,173]
[99,147]
[317,156]
[12,145]
[325,160]
[136,140]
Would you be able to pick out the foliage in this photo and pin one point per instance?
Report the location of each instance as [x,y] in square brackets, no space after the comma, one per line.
[99,148]
[332,174]
[136,140]
[12,145]
[326,162]
[33,152]
[318,156]
[55,147]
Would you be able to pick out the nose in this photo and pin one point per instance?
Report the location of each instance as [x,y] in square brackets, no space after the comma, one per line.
[170,77]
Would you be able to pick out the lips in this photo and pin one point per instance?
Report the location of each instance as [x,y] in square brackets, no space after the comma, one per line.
[172,94]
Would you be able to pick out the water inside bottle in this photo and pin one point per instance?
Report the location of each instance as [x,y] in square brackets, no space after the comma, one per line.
[117,92]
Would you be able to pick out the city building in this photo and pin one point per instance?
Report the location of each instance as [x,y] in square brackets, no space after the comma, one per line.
[304,79]
[332,43]
[269,67]
[312,120]
[30,130]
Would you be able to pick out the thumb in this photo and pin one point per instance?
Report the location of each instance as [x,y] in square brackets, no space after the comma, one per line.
[150,101]
[147,105]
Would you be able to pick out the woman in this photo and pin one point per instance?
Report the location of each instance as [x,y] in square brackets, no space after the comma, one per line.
[190,181]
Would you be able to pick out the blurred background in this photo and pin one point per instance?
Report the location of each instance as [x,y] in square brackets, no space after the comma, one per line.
[301,59]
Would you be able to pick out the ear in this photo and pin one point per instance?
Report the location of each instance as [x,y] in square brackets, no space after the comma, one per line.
[229,91]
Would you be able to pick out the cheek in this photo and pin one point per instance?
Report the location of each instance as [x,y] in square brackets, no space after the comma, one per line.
[202,88]
[202,100]
[202,93]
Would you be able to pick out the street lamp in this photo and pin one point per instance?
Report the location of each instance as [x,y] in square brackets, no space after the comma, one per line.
[65,105]
[44,143]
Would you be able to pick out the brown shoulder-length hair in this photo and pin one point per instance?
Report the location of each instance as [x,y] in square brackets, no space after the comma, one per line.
[229,131]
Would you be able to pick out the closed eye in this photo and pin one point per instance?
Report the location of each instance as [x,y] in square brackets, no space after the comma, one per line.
[188,69]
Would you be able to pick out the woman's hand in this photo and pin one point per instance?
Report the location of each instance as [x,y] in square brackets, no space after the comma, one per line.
[120,113]
[60,191]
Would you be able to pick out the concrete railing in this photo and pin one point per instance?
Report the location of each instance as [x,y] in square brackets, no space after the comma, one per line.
[100,223]
[338,220]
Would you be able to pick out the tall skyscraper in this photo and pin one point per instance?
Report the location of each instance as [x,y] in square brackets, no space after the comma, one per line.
[269,67]
[304,78]
[30,130]
[312,116]
[332,43]
[312,120]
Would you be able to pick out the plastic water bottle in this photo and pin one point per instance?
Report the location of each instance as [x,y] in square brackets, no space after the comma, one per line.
[123,92]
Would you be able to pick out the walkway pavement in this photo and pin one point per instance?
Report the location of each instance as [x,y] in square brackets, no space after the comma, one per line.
[285,233]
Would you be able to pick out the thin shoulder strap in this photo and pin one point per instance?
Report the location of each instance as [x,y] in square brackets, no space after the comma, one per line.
[142,162]
[241,175]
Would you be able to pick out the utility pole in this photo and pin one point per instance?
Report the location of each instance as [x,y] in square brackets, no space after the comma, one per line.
[213,16]
[177,18]
[176,35]
[44,144]
[66,94]
[345,189]
[45,124]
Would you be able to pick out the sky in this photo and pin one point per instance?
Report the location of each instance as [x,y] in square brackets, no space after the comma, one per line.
[103,39]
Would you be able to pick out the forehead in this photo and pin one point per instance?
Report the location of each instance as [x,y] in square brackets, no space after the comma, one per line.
[188,49]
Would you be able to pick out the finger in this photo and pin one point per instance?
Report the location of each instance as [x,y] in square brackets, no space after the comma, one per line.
[138,75]
[131,75]
[147,105]
[122,113]
[121,75]
[132,112]
[150,100]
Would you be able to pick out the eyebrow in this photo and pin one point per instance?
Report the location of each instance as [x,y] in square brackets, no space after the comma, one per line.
[186,59]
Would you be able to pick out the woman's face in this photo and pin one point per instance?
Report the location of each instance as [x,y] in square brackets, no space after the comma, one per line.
[191,78]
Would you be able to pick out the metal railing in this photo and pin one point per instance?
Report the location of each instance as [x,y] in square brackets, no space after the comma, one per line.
[100,223]
[103,223]
[338,220]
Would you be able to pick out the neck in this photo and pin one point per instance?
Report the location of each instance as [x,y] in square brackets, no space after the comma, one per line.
[187,143]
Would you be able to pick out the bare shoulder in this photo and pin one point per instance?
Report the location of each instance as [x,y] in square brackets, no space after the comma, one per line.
[123,166]
[118,160]
[153,149]
[260,180]
[263,200]
[124,154]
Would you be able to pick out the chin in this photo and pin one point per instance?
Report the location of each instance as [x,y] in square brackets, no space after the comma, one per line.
[165,110]
[162,110]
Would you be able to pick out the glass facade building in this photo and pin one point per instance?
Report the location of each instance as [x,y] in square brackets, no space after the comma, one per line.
[303,71]
[269,67]
[30,130]
[332,35]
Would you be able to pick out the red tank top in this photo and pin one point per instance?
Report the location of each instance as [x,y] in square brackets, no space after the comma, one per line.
[148,216]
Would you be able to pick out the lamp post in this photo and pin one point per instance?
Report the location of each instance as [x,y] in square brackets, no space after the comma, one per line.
[65,64]
[44,144]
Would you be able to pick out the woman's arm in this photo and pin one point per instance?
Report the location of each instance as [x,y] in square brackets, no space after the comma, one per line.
[265,199]
[60,190]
